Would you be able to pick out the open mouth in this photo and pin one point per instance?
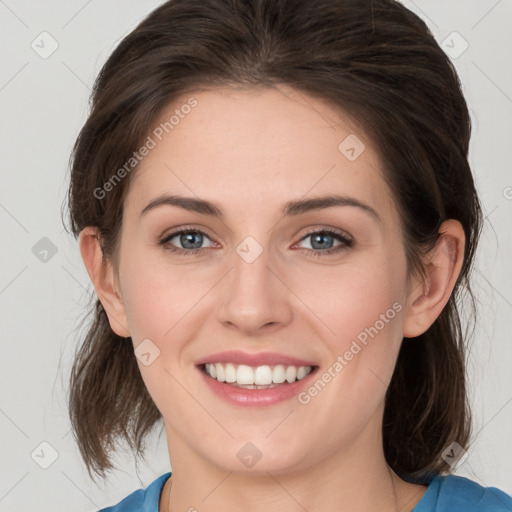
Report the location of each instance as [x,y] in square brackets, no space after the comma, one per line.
[256,377]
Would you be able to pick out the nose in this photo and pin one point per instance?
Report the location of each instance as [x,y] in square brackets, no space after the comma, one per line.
[254,298]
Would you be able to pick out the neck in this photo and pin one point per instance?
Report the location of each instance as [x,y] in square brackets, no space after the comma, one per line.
[356,479]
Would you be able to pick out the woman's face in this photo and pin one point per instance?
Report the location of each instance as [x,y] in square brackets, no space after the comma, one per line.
[278,282]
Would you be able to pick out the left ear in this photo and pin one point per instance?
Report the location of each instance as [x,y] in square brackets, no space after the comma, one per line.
[427,297]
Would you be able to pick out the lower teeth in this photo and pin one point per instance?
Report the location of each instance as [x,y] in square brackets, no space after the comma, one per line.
[250,386]
[253,386]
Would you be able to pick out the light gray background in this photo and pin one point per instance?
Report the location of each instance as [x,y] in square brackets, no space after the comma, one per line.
[44,102]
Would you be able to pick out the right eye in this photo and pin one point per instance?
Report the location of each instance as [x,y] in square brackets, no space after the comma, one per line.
[190,240]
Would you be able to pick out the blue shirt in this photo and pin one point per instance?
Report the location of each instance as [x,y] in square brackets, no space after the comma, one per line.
[444,494]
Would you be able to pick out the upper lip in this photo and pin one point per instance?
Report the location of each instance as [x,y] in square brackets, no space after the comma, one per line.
[254,359]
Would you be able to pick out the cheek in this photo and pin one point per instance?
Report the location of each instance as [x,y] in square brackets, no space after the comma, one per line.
[363,309]
[151,304]
[359,308]
[350,298]
[157,294]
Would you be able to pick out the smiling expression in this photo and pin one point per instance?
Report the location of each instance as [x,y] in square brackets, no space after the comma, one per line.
[290,251]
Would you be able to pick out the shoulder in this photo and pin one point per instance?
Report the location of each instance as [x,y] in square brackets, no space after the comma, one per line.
[459,494]
[141,500]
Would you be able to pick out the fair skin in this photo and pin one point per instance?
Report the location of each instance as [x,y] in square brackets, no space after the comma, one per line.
[250,152]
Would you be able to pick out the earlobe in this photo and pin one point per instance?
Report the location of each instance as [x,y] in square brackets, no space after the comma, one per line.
[430,295]
[102,276]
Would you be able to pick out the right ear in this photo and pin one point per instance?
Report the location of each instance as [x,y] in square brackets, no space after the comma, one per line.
[102,276]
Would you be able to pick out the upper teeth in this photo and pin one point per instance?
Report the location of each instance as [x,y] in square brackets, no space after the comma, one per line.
[260,375]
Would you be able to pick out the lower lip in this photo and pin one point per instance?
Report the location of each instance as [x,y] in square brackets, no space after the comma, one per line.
[256,397]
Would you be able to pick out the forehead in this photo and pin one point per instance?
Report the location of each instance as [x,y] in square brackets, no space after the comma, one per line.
[259,146]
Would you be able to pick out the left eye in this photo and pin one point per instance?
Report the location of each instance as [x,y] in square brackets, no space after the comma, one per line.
[324,240]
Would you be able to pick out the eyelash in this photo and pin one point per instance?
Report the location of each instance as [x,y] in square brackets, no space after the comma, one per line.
[346,242]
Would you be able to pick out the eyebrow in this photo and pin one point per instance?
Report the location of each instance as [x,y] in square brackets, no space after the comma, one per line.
[291,208]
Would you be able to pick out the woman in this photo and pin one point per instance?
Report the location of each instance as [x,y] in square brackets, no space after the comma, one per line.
[274,204]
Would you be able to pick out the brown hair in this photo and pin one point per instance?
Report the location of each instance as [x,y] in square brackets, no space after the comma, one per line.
[378,62]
